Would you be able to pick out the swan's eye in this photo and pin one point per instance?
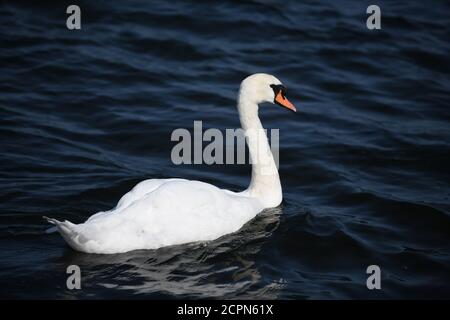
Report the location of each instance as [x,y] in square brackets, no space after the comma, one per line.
[277,88]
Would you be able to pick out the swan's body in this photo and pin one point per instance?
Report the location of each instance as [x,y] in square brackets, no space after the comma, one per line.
[163,212]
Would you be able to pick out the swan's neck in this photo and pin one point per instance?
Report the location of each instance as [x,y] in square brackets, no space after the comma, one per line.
[265,183]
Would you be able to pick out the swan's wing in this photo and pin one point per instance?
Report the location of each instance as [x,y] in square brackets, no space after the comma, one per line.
[141,189]
[138,192]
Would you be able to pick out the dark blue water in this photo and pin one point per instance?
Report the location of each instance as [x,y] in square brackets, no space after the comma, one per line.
[85,115]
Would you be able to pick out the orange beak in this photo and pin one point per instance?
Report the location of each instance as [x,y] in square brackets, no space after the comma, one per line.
[282,101]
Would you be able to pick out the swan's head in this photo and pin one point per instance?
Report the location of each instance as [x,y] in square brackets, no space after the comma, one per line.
[261,87]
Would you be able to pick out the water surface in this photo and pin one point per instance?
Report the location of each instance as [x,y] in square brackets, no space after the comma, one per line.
[85,115]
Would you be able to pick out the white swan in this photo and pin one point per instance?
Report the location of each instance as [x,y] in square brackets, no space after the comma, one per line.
[164,212]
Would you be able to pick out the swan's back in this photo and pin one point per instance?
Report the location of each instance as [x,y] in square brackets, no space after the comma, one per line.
[162,212]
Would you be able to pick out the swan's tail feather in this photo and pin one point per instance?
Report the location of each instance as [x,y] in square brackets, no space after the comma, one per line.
[50,220]
[51,230]
[68,231]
